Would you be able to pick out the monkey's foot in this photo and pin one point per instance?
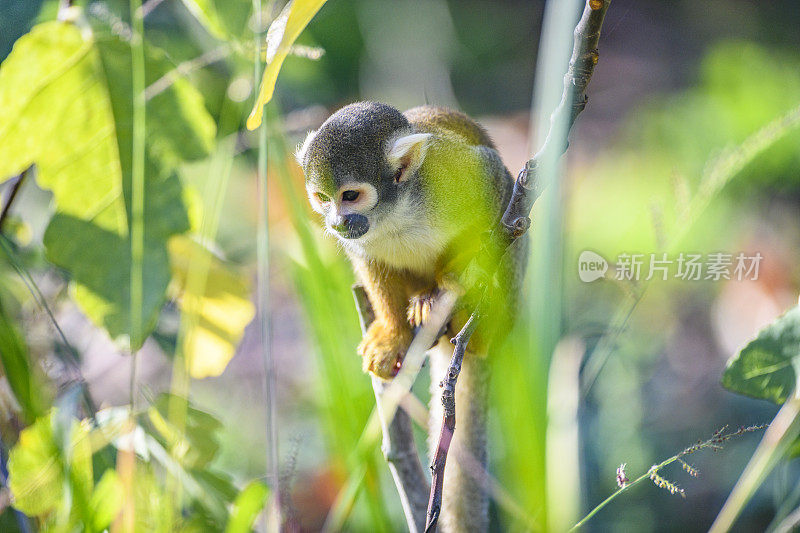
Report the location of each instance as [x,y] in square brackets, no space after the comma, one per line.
[420,306]
[383,349]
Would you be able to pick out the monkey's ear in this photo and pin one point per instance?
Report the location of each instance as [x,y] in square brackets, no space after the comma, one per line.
[407,153]
[300,152]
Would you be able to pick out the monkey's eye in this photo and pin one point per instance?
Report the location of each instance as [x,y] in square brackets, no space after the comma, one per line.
[350,196]
[323,198]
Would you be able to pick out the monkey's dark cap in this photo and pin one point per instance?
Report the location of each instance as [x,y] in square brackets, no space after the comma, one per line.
[356,135]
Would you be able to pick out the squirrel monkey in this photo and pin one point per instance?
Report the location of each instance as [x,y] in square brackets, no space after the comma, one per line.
[409,197]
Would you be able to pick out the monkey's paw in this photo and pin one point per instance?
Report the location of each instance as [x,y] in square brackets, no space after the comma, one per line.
[383,349]
[419,308]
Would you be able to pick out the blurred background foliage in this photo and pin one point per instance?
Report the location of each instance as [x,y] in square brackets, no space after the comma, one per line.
[679,85]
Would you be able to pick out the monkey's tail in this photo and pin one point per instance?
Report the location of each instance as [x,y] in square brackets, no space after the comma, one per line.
[465,498]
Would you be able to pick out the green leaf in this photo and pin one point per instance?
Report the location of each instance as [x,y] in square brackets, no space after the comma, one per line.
[35,477]
[106,500]
[218,495]
[767,368]
[74,121]
[37,467]
[216,308]
[247,506]
[55,112]
[24,380]
[194,445]
[282,34]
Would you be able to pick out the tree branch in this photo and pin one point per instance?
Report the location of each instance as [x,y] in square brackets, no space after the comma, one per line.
[398,444]
[515,221]
[449,419]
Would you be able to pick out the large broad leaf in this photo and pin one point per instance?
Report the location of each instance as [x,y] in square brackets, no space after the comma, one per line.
[768,367]
[55,111]
[216,307]
[73,120]
[282,34]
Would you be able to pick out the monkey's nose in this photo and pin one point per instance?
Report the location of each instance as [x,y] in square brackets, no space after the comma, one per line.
[351,226]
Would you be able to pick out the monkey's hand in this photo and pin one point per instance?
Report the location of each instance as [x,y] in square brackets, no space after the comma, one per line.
[419,307]
[383,348]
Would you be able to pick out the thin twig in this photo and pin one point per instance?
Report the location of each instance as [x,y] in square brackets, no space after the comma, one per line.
[70,355]
[398,440]
[184,69]
[12,195]
[515,221]
[449,423]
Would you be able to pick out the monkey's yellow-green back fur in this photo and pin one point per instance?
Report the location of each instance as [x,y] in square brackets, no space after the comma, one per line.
[443,121]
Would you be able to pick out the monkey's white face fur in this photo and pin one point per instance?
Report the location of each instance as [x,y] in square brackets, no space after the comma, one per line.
[402,239]
[399,230]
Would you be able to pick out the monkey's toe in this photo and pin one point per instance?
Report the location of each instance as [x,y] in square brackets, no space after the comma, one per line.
[420,307]
[383,350]
[384,366]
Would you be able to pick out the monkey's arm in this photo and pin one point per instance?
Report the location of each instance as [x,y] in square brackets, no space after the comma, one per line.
[389,336]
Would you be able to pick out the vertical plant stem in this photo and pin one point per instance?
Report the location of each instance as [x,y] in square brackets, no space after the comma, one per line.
[137,189]
[545,281]
[264,317]
[136,224]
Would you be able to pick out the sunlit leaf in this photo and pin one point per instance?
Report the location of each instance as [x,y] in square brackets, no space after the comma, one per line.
[37,465]
[35,475]
[247,506]
[73,120]
[768,367]
[283,32]
[216,308]
[55,111]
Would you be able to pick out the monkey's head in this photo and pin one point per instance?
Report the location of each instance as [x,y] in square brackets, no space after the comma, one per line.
[361,167]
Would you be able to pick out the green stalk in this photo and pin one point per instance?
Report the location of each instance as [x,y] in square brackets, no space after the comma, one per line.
[715,443]
[137,208]
[264,314]
[137,188]
[626,488]
[546,298]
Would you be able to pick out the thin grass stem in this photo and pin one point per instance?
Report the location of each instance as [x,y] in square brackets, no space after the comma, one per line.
[263,260]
